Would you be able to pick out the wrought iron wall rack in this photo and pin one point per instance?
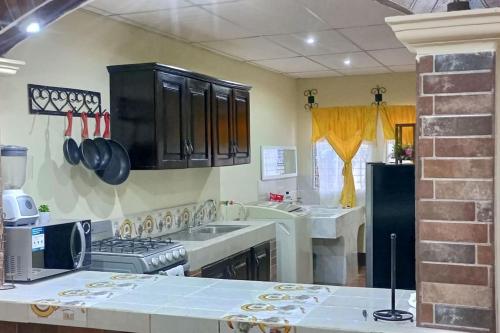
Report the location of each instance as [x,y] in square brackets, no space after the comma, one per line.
[56,101]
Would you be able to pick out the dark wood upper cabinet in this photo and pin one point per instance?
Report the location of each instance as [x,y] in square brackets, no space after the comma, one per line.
[241,141]
[169,118]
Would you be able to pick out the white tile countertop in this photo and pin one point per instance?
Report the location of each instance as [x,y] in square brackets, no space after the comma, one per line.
[159,304]
[201,253]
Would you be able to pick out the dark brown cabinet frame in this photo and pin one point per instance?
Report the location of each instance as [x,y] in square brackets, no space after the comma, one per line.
[169,118]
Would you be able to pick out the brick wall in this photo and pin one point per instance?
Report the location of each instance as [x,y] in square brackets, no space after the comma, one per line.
[455,170]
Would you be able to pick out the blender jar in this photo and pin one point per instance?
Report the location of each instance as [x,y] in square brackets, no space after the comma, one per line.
[13,161]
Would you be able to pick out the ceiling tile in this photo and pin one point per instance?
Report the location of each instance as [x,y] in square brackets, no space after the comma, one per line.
[336,61]
[364,71]
[193,24]
[209,2]
[403,68]
[373,38]
[349,13]
[310,75]
[256,48]
[269,17]
[394,57]
[325,42]
[135,6]
[288,65]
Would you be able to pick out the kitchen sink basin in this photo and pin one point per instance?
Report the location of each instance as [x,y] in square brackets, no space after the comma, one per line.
[218,229]
[205,232]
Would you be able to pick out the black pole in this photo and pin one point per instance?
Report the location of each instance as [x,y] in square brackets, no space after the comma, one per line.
[393,272]
[392,314]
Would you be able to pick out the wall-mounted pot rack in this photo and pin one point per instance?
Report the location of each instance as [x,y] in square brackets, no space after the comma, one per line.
[57,101]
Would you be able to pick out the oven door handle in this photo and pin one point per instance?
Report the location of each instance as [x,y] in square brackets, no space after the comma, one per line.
[83,246]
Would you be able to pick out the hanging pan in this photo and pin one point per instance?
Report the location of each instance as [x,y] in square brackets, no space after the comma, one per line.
[101,144]
[89,153]
[118,168]
[70,147]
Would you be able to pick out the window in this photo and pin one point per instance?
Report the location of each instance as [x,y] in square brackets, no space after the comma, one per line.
[389,151]
[328,167]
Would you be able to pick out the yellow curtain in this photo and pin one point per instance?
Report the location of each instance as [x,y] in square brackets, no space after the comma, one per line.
[345,128]
[398,114]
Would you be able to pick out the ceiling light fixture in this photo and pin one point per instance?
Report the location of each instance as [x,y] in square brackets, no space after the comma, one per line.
[347,62]
[310,40]
[33,28]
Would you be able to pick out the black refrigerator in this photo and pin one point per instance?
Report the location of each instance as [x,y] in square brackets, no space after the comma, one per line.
[390,208]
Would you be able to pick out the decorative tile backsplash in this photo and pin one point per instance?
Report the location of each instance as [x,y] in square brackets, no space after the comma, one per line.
[163,221]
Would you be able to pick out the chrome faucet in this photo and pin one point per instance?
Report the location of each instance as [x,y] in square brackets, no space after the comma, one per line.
[199,217]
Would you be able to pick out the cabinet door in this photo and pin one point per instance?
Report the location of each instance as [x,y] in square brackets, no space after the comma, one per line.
[219,270]
[172,148]
[198,124]
[222,130]
[241,141]
[240,266]
[261,262]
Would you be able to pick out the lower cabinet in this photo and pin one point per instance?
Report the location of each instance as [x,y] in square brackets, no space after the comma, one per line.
[251,264]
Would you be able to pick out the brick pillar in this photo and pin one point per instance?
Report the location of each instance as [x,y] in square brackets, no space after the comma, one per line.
[457,166]
[454,187]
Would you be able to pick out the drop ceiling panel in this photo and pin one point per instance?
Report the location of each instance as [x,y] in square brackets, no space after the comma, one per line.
[394,57]
[309,75]
[256,48]
[403,68]
[209,2]
[133,6]
[298,64]
[325,42]
[373,37]
[336,61]
[269,17]
[349,13]
[363,71]
[192,24]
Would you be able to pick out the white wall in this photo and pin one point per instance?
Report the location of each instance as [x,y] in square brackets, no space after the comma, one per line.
[74,52]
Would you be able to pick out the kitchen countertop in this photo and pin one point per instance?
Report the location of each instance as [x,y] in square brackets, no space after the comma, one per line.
[201,253]
[154,303]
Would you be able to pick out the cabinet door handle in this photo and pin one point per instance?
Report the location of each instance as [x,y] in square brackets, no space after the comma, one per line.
[191,147]
[187,150]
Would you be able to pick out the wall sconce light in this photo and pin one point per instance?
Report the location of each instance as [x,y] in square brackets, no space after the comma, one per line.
[310,93]
[378,93]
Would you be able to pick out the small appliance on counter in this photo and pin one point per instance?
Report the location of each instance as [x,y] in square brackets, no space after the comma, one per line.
[38,251]
[18,207]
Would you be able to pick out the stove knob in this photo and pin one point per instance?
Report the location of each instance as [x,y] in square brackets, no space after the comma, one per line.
[169,256]
[163,259]
[176,254]
[154,261]
[182,252]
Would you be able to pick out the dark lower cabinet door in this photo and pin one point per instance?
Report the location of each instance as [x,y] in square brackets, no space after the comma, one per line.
[170,121]
[199,126]
[261,262]
[241,141]
[222,135]
[241,266]
[219,270]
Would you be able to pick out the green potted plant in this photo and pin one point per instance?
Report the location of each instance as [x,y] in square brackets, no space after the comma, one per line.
[44,212]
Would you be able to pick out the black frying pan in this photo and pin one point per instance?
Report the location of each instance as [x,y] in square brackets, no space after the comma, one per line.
[102,144]
[89,153]
[118,168]
[70,147]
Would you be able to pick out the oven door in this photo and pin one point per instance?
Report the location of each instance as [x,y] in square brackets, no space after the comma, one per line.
[60,248]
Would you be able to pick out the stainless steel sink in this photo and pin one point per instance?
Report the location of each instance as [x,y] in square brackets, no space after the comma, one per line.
[205,232]
[218,229]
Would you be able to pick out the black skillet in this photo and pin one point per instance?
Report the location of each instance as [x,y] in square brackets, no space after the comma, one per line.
[118,168]
[102,144]
[89,153]
[70,147]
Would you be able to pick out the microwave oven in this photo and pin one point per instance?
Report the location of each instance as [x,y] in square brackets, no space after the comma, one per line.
[39,251]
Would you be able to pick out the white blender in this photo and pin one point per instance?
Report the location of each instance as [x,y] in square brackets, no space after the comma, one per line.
[18,207]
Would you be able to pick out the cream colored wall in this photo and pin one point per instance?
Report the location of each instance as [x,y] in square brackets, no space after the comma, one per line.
[350,90]
[74,52]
